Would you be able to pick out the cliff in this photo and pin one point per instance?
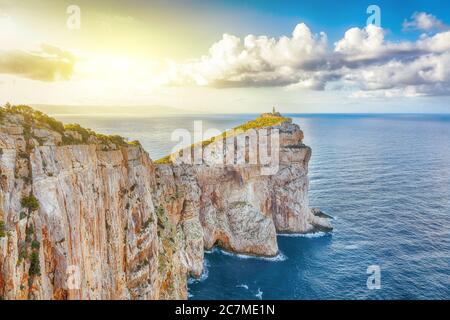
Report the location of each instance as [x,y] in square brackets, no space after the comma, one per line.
[88,216]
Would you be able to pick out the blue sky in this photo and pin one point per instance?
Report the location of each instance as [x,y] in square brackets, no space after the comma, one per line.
[228,55]
[276,18]
[279,17]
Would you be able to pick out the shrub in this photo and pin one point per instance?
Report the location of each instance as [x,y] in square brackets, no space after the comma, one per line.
[30,202]
[2,113]
[23,155]
[34,118]
[23,215]
[134,143]
[35,245]
[23,254]
[54,124]
[28,233]
[20,109]
[35,268]
[116,139]
[85,133]
[31,115]
[27,131]
[2,229]
[69,140]
[30,230]
[164,160]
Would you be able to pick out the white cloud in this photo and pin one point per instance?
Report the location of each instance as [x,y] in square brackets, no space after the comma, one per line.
[255,61]
[368,44]
[438,43]
[383,68]
[427,75]
[21,56]
[48,63]
[423,21]
[362,59]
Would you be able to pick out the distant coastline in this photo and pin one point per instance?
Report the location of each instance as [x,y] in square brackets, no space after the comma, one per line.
[162,111]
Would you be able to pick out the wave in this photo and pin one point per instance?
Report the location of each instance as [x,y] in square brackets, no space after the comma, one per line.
[279,257]
[304,235]
[242,286]
[259,294]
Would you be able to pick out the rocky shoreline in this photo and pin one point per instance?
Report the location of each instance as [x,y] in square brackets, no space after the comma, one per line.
[101,220]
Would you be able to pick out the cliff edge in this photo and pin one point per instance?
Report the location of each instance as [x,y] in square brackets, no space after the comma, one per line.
[89,216]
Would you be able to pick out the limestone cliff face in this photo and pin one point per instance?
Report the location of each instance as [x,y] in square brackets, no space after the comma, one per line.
[95,219]
[241,207]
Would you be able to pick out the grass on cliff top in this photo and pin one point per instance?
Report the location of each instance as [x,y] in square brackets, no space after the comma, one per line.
[258,123]
[40,120]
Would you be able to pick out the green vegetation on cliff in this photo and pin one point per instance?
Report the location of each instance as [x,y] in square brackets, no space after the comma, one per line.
[261,122]
[164,160]
[32,116]
[264,121]
[35,268]
[2,229]
[37,119]
[30,202]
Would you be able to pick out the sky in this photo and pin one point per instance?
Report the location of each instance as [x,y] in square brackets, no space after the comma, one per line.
[227,56]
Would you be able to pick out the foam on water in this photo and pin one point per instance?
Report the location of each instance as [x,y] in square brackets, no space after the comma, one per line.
[259,294]
[305,235]
[242,286]
[279,257]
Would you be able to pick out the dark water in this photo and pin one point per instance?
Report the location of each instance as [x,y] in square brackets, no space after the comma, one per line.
[385,179]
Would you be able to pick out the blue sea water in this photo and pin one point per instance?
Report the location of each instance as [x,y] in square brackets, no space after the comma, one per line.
[384,178]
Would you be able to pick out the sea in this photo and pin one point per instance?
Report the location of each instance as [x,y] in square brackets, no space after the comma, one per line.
[385,180]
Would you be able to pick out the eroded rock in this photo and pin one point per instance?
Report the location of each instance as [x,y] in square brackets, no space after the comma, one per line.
[113,225]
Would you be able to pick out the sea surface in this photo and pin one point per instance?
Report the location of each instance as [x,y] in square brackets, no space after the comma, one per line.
[384,178]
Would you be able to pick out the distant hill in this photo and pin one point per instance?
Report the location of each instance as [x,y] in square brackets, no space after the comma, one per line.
[111,110]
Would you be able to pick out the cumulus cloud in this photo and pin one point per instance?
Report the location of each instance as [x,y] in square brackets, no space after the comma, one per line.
[426,75]
[423,21]
[438,43]
[369,44]
[380,67]
[362,59]
[49,63]
[255,61]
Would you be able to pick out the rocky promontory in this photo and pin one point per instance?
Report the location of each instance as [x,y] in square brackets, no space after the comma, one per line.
[89,216]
